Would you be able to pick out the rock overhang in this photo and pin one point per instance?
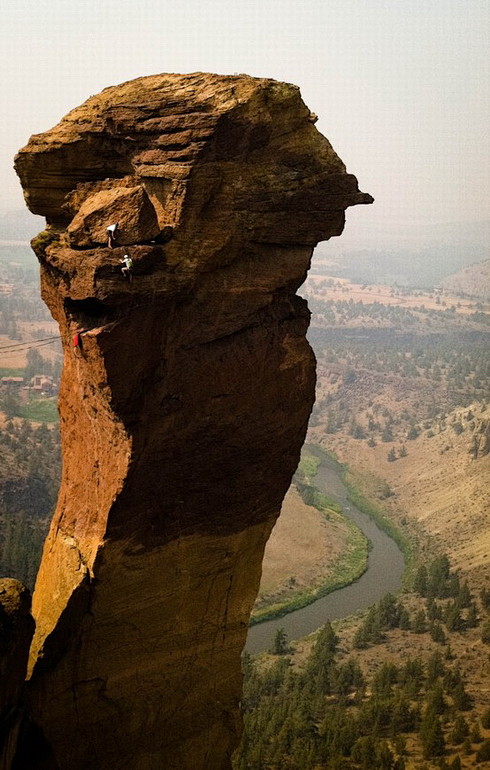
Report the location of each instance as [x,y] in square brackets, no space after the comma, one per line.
[184,406]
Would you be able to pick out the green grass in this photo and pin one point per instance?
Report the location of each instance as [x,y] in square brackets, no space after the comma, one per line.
[303,478]
[348,568]
[308,466]
[40,410]
[6,372]
[353,563]
[376,513]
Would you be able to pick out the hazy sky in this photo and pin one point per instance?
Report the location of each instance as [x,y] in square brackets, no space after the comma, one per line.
[401,87]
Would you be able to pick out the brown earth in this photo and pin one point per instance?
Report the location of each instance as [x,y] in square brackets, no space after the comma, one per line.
[438,485]
[343,288]
[304,545]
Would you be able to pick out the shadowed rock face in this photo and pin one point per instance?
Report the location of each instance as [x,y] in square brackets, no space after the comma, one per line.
[184,409]
[16,630]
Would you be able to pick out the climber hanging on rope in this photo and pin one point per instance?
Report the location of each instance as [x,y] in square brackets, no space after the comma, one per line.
[111,235]
[77,341]
[127,268]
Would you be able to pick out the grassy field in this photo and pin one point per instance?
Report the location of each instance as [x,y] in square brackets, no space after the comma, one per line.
[40,410]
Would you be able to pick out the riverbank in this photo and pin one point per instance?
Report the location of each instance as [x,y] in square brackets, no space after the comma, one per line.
[383,574]
[363,491]
[346,567]
[314,549]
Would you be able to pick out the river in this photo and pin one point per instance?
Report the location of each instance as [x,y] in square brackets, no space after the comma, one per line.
[383,574]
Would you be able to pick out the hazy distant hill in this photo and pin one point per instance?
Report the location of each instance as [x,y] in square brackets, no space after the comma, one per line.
[19,225]
[405,256]
[473,281]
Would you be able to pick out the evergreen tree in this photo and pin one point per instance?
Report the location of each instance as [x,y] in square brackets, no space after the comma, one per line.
[421,581]
[411,677]
[438,577]
[435,668]
[475,734]
[388,612]
[462,700]
[452,617]
[460,730]
[464,595]
[387,434]
[384,679]
[321,659]
[436,703]
[434,612]
[437,633]
[431,735]
[404,619]
[485,598]
[419,625]
[280,643]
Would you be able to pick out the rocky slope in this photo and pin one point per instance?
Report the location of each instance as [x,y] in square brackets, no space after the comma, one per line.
[183,408]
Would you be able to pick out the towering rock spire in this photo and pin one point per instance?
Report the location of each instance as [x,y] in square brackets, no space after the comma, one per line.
[184,402]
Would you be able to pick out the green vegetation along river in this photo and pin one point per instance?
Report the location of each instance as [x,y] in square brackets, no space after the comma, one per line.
[383,574]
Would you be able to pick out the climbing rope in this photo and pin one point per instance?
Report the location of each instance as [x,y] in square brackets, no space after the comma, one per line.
[19,347]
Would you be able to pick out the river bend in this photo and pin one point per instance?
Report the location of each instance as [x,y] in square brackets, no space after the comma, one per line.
[383,574]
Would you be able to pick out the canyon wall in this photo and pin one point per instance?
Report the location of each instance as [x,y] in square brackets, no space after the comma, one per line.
[184,402]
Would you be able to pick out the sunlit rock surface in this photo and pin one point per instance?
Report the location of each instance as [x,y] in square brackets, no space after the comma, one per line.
[183,409]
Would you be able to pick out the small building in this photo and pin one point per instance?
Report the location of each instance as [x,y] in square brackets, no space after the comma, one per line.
[12,383]
[43,383]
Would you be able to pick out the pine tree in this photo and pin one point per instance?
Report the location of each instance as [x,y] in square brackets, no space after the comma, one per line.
[460,730]
[431,735]
[437,633]
[421,581]
[462,700]
[419,625]
[280,643]
[452,617]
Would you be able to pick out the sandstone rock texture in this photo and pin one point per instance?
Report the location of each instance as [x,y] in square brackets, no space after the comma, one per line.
[182,411]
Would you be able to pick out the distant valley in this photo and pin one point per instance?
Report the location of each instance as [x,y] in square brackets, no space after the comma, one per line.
[402,399]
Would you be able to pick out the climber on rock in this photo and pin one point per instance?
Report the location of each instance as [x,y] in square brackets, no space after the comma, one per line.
[77,341]
[127,268]
[111,235]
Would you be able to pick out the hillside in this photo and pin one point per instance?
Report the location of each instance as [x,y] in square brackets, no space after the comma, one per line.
[402,400]
[473,281]
[404,255]
[402,392]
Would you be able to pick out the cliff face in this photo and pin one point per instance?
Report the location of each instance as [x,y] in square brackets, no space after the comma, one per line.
[183,408]
[16,630]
